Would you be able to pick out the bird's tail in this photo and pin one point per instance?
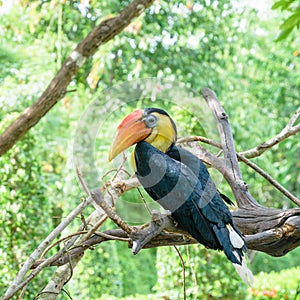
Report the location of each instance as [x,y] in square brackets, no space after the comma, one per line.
[235,248]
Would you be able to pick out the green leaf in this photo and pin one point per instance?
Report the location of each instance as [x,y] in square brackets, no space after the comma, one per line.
[282,4]
[291,22]
[283,34]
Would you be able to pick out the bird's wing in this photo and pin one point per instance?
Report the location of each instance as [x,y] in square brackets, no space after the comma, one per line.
[190,160]
[175,186]
[194,203]
[196,165]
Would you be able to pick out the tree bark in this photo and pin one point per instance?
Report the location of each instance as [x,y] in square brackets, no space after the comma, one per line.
[57,88]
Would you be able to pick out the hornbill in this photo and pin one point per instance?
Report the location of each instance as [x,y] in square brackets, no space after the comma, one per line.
[179,182]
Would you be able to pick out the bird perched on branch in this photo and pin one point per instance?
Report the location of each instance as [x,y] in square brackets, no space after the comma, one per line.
[179,182]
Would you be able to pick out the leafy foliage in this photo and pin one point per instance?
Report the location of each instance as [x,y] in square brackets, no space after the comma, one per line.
[293,21]
[265,263]
[201,43]
[208,275]
[22,208]
[282,285]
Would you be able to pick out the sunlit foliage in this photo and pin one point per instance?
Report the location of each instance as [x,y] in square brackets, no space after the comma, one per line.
[224,45]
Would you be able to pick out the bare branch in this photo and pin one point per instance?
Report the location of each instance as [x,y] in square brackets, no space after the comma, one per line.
[99,200]
[208,158]
[286,132]
[75,252]
[18,282]
[232,171]
[118,187]
[140,238]
[199,139]
[225,133]
[57,282]
[272,231]
[269,178]
[56,90]
[175,237]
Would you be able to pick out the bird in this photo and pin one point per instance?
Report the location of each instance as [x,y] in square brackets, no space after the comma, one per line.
[180,182]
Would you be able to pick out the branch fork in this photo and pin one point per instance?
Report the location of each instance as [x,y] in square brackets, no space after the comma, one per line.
[159,222]
[273,231]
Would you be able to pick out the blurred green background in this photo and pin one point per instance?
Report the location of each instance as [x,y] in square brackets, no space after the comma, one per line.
[228,46]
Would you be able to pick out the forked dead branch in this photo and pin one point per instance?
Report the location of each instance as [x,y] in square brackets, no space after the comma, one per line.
[270,230]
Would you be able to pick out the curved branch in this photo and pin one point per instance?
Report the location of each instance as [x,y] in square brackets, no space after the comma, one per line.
[287,131]
[56,90]
[276,232]
[269,178]
[273,231]
[17,283]
[213,161]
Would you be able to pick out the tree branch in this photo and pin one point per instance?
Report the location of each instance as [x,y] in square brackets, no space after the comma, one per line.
[276,232]
[56,90]
[232,171]
[286,132]
[270,230]
[118,187]
[269,178]
[208,158]
[18,283]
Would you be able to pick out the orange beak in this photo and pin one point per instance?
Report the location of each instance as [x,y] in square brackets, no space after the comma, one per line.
[131,131]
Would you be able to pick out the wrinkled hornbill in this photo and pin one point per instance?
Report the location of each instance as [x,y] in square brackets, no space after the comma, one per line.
[179,182]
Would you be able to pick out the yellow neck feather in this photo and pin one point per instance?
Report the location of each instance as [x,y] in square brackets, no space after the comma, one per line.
[161,137]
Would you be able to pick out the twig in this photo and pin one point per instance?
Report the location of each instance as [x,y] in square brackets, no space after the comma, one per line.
[61,240]
[197,138]
[82,182]
[144,201]
[140,238]
[99,200]
[71,91]
[112,237]
[17,283]
[183,271]
[286,132]
[240,157]
[82,218]
[21,297]
[270,179]
[71,267]
[94,228]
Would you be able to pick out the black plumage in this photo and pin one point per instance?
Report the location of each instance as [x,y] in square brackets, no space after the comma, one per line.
[180,182]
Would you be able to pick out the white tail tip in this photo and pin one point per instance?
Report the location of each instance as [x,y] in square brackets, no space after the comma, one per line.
[244,272]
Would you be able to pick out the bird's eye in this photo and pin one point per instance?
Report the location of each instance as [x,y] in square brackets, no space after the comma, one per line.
[151,121]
